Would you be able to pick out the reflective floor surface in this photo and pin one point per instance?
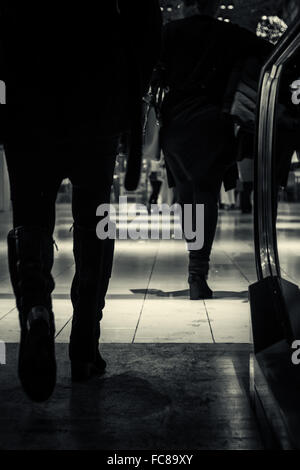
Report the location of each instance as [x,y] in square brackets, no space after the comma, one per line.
[191,390]
[148,299]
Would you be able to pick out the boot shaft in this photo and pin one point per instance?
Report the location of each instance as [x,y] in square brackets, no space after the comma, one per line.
[30,259]
[198,263]
[93,263]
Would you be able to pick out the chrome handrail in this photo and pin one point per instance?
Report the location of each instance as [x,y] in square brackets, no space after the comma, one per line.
[266,250]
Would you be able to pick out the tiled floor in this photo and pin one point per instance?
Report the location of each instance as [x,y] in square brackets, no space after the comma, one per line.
[148,298]
[152,396]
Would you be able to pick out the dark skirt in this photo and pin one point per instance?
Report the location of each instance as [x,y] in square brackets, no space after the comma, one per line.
[198,142]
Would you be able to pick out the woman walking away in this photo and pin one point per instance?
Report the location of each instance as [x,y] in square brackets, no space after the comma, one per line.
[75,75]
[200,67]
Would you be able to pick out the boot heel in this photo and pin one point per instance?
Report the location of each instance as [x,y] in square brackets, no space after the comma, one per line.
[194,291]
[37,365]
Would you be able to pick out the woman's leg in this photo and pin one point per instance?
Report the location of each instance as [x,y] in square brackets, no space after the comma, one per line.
[245,195]
[197,193]
[156,185]
[152,183]
[92,180]
[199,259]
[30,251]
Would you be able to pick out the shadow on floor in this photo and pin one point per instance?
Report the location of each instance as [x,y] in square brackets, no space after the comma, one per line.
[153,396]
[219,294]
[185,293]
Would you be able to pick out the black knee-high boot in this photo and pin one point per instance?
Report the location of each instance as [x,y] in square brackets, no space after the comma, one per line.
[198,271]
[199,259]
[106,275]
[30,256]
[93,260]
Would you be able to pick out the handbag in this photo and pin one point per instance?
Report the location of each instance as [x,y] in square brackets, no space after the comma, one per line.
[151,146]
[152,122]
[243,107]
[157,94]
[245,98]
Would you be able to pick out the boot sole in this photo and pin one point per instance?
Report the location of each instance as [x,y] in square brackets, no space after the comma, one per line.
[37,365]
[200,297]
[196,294]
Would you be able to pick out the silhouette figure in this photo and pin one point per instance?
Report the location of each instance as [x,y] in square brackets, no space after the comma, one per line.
[74,77]
[202,60]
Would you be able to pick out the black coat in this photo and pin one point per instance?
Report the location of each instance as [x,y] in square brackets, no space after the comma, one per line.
[200,58]
[80,67]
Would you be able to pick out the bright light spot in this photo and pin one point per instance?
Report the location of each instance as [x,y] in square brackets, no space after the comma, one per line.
[271,28]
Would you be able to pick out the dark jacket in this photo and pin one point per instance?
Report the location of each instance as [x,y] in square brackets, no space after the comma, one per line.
[85,64]
[201,59]
[211,48]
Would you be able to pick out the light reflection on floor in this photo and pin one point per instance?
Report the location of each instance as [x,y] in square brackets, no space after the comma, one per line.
[148,294]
